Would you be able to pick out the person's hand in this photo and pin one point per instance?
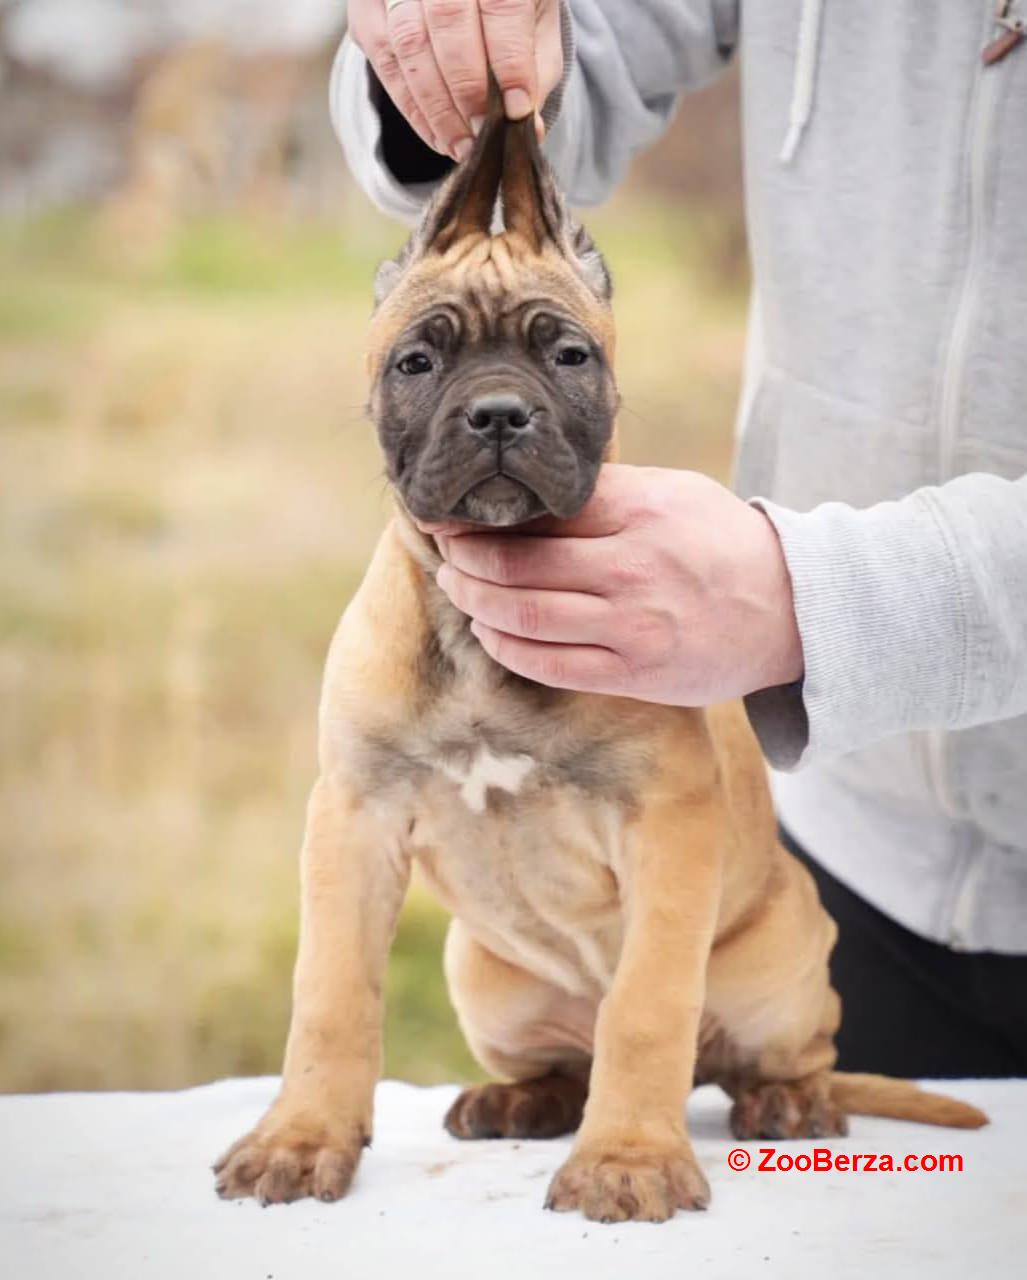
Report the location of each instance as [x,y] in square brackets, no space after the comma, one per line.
[666,588]
[433,58]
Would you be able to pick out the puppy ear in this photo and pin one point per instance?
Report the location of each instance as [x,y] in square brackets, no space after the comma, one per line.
[590,262]
[389,273]
[465,203]
[506,163]
[534,208]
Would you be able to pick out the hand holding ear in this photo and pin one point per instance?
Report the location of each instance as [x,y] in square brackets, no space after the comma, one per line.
[433,58]
[666,588]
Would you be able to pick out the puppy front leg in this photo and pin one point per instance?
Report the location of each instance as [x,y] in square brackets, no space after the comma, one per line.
[351,890]
[632,1158]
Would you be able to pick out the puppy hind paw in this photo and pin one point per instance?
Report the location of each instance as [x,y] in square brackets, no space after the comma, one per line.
[546,1107]
[787,1109]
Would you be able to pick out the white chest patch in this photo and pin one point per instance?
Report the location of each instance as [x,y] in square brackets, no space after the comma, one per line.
[487,770]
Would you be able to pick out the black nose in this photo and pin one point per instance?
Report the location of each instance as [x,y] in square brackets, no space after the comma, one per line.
[497,415]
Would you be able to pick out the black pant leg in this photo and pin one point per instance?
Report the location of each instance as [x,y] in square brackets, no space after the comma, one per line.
[911,1007]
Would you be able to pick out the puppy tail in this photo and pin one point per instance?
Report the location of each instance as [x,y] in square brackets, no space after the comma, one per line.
[864,1095]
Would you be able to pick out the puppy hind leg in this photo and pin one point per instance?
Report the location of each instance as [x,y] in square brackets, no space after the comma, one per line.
[784,1089]
[776,1014]
[521,1028]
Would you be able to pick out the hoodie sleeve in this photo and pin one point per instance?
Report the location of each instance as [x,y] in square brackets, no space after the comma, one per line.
[912,615]
[624,67]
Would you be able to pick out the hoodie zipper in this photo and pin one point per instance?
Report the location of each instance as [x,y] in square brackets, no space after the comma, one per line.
[986,96]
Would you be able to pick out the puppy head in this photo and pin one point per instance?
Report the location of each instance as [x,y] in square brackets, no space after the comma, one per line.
[492,387]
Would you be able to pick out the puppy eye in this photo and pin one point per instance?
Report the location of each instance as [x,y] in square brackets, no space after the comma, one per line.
[413,364]
[572,356]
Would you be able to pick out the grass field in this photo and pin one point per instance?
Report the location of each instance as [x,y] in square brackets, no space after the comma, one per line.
[188,493]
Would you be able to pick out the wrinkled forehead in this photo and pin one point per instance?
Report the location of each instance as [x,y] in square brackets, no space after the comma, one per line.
[488,285]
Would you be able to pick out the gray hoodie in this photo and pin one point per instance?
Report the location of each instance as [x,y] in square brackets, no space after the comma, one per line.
[883,420]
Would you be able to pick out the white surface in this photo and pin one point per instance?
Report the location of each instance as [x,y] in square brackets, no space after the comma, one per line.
[118,1185]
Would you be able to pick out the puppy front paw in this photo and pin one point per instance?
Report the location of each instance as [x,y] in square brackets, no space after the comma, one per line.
[288,1157]
[630,1185]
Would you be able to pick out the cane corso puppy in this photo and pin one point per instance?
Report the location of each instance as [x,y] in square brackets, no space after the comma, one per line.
[625,922]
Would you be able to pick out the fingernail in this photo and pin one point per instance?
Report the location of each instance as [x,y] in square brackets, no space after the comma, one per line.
[462,149]
[475,629]
[442,576]
[516,103]
[476,124]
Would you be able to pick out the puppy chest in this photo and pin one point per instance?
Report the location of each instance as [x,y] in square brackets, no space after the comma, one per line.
[484,765]
[481,774]
[533,877]
[519,831]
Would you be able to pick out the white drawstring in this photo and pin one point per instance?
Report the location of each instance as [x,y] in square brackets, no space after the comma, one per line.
[805,77]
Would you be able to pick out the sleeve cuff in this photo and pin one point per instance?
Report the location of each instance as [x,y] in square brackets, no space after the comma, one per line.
[778,717]
[554,103]
[882,619]
[358,126]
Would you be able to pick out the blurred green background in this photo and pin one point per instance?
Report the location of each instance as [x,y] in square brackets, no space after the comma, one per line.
[189,491]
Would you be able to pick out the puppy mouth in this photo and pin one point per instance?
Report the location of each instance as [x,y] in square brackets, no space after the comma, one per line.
[498,501]
[509,483]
